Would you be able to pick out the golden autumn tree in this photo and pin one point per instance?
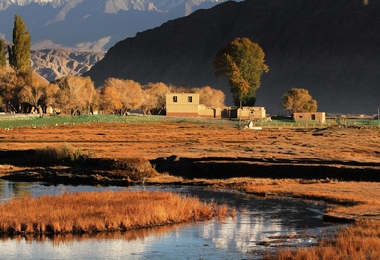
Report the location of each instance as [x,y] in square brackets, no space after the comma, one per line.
[132,96]
[76,95]
[8,87]
[154,98]
[120,96]
[211,97]
[50,95]
[110,96]
[298,100]
[33,89]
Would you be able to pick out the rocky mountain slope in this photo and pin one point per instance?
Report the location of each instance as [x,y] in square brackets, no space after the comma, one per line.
[55,63]
[86,27]
[91,25]
[328,47]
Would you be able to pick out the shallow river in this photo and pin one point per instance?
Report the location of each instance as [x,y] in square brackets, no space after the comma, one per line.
[285,222]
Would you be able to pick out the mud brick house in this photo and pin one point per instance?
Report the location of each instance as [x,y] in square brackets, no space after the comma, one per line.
[250,113]
[319,117]
[187,104]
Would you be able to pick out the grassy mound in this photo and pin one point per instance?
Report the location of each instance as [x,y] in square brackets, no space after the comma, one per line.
[102,212]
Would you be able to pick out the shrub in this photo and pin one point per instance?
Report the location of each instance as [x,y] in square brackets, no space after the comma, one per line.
[136,168]
[60,155]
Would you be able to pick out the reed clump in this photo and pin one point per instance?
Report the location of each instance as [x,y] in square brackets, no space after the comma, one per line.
[55,155]
[109,211]
[137,169]
[358,241]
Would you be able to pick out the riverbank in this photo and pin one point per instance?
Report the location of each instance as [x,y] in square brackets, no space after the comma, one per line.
[303,163]
[358,241]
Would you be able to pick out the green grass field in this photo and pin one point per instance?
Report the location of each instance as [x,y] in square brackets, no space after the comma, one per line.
[16,121]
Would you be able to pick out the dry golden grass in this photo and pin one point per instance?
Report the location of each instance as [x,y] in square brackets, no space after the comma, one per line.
[357,200]
[150,141]
[359,241]
[102,212]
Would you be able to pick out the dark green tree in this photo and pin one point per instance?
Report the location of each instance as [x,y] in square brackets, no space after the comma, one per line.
[242,61]
[19,52]
[3,59]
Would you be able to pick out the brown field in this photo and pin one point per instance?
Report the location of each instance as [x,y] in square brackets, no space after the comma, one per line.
[348,159]
[102,212]
[117,140]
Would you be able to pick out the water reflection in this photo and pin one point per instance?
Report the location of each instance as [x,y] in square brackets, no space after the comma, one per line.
[68,239]
[16,189]
[281,222]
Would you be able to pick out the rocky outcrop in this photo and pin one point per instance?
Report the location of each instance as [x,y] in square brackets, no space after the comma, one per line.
[55,63]
[328,47]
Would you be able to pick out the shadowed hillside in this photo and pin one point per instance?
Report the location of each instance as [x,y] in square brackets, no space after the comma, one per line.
[328,47]
[88,25]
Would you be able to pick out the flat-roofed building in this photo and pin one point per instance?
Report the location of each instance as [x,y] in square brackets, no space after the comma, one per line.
[187,104]
[310,116]
[182,104]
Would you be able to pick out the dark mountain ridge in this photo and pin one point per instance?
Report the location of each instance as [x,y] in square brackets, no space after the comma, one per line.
[88,25]
[328,47]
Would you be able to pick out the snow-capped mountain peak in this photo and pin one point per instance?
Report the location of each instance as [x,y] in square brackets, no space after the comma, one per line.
[78,23]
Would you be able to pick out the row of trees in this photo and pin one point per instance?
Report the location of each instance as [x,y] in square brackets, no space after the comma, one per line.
[77,95]
[21,87]
[241,61]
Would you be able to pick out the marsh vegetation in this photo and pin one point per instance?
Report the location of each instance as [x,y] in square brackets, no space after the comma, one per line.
[92,212]
[359,241]
[335,164]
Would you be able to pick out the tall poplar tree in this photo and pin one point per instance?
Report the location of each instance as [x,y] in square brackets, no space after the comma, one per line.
[19,52]
[242,61]
[3,59]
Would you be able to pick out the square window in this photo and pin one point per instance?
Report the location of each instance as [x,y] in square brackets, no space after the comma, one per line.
[190,99]
[174,98]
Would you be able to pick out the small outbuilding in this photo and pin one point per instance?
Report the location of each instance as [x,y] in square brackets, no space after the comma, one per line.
[250,113]
[319,117]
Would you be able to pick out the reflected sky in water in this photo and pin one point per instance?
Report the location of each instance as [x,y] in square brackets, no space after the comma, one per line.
[257,220]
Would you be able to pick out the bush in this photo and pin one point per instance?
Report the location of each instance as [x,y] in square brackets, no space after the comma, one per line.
[60,155]
[135,168]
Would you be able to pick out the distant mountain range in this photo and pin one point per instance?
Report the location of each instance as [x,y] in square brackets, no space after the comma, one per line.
[56,63]
[85,27]
[329,47]
[91,25]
